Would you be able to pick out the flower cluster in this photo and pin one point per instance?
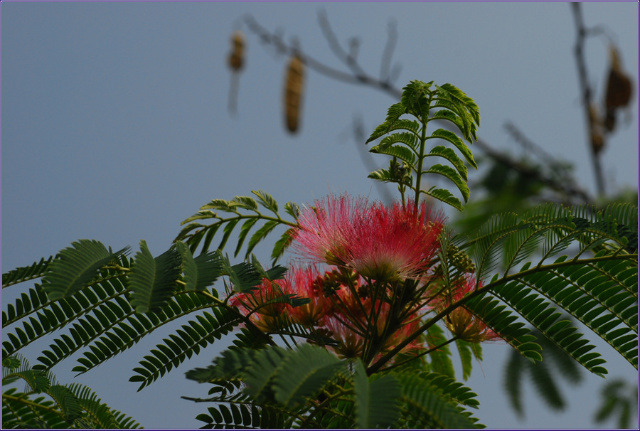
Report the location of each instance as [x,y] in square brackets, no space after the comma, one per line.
[367,270]
[378,242]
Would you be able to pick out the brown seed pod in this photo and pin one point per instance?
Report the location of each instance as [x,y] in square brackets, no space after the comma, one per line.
[293,93]
[618,92]
[236,57]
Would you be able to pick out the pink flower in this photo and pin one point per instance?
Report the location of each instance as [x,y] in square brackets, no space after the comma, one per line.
[396,242]
[261,305]
[307,283]
[327,228]
[379,242]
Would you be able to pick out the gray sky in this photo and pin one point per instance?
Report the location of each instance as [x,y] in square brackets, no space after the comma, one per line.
[115,128]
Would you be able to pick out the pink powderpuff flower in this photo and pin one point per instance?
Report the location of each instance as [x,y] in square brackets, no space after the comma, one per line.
[463,323]
[257,305]
[267,313]
[396,242]
[326,229]
[379,242]
[307,283]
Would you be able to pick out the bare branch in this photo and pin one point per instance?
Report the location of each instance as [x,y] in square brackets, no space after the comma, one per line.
[567,188]
[587,97]
[357,75]
[392,39]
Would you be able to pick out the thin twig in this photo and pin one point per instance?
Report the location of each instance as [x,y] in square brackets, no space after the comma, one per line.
[314,64]
[357,75]
[587,96]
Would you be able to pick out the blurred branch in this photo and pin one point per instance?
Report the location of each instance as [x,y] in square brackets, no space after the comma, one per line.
[557,179]
[357,75]
[351,77]
[587,96]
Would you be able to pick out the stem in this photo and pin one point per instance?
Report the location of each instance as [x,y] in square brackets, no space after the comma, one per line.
[30,403]
[586,94]
[426,352]
[423,143]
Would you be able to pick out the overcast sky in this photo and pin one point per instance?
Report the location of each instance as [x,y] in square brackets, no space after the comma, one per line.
[115,127]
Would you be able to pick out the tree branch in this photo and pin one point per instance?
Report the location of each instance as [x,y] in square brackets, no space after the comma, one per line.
[587,97]
[357,75]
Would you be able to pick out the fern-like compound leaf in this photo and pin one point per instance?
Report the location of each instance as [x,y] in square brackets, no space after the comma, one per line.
[453,175]
[445,196]
[76,266]
[188,341]
[457,142]
[152,281]
[22,274]
[266,200]
[426,406]
[377,399]
[303,372]
[450,155]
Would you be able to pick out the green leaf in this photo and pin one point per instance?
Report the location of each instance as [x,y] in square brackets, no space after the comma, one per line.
[428,407]
[75,267]
[228,228]
[450,173]
[22,274]
[398,124]
[281,245]
[205,329]
[243,276]
[189,267]
[245,202]
[401,153]
[209,267]
[409,139]
[377,399]
[458,95]
[303,372]
[244,230]
[260,234]
[292,209]
[457,142]
[451,156]
[266,200]
[153,281]
[464,349]
[440,359]
[445,196]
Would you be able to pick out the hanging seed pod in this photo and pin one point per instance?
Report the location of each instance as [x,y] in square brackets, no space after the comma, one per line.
[293,93]
[619,85]
[236,62]
[236,57]
[618,93]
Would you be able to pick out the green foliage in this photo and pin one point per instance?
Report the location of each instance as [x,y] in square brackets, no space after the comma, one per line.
[107,302]
[545,375]
[278,380]
[621,398]
[187,341]
[419,100]
[127,299]
[75,267]
[152,281]
[20,275]
[196,234]
[59,406]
